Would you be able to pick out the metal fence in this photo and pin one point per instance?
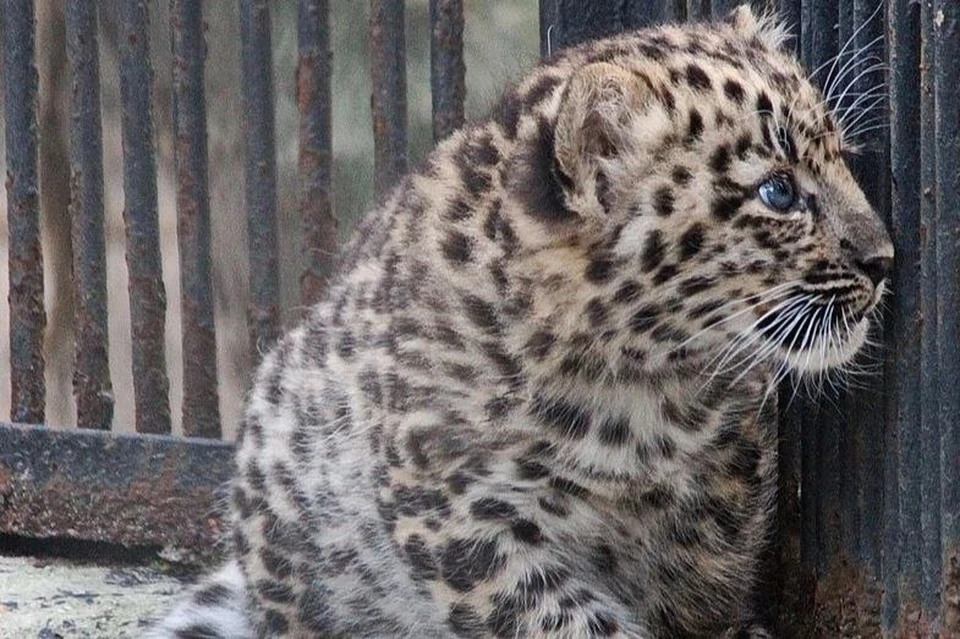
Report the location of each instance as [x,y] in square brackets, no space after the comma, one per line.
[868,540]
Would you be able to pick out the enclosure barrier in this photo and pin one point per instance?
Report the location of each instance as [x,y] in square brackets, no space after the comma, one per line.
[868,534]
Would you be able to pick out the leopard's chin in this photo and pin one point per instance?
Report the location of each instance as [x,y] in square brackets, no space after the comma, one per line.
[829,352]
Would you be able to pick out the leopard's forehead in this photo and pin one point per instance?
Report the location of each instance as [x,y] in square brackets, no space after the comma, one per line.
[721,79]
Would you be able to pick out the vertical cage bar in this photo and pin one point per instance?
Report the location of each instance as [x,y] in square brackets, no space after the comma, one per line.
[925,238]
[27,317]
[946,35]
[91,376]
[447,70]
[565,23]
[148,301]
[907,319]
[819,422]
[698,10]
[201,413]
[389,100]
[641,13]
[261,174]
[790,12]
[314,73]
[862,484]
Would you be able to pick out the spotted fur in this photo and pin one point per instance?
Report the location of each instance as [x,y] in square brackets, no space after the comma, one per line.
[537,399]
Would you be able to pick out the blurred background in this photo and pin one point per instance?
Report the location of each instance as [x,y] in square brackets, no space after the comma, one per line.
[501,41]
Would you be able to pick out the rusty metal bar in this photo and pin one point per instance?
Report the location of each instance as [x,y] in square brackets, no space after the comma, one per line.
[389,101]
[148,301]
[946,36]
[565,23]
[865,427]
[27,317]
[124,489]
[91,377]
[637,14]
[697,10]
[201,414]
[447,70]
[256,62]
[314,73]
[789,11]
[925,261]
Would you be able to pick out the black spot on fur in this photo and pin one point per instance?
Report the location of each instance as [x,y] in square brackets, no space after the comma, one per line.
[459,210]
[599,269]
[544,85]
[602,625]
[422,562]
[744,142]
[697,78]
[653,251]
[733,91]
[198,631]
[553,507]
[457,248]
[695,129]
[465,562]
[464,621]
[536,180]
[663,201]
[275,591]
[666,273]
[726,206]
[691,241]
[694,285]
[414,501]
[503,620]
[764,106]
[212,596]
[681,175]
[720,159]
[597,312]
[570,420]
[539,344]
[568,487]
[644,318]
[482,314]
[492,508]
[475,181]
[614,431]
[526,531]
[628,292]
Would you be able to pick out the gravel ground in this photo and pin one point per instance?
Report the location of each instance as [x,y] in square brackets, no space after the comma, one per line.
[49,599]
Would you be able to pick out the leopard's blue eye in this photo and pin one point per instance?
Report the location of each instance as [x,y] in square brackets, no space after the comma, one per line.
[778,193]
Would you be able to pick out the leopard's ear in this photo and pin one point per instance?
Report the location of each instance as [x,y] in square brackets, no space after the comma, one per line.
[595,117]
[765,27]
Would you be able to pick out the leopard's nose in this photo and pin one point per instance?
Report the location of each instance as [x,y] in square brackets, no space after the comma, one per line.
[877,268]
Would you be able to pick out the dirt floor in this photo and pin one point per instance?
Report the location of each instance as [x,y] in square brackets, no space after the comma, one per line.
[53,598]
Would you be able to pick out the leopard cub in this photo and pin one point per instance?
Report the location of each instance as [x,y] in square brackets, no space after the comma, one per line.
[538,399]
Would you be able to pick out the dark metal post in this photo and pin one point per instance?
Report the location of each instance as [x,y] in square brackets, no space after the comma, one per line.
[91,377]
[148,301]
[261,174]
[946,36]
[27,317]
[389,99]
[315,194]
[926,250]
[201,414]
[447,70]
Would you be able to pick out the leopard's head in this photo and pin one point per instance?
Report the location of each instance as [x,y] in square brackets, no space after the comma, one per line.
[707,170]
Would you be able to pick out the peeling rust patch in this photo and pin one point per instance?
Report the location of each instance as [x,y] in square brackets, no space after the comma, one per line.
[130,490]
[951,592]
[847,603]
